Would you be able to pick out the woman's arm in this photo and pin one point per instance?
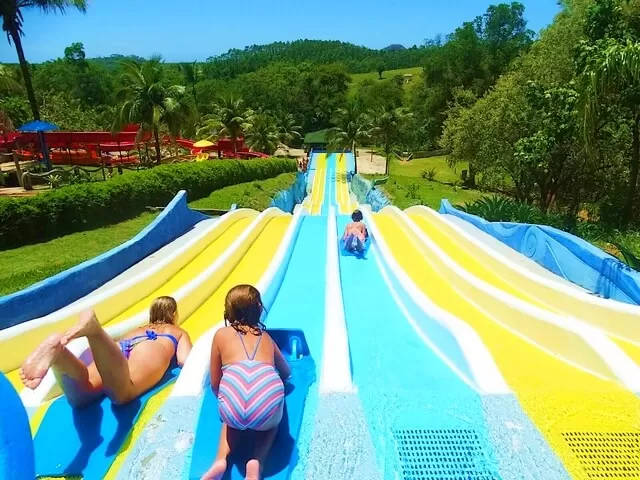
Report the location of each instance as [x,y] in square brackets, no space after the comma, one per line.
[183,349]
[280,362]
[216,365]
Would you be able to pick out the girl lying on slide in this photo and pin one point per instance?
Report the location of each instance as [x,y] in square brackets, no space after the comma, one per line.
[122,370]
[355,233]
[247,373]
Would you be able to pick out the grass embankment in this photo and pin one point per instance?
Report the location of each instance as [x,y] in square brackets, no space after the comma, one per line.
[24,266]
[256,195]
[409,184]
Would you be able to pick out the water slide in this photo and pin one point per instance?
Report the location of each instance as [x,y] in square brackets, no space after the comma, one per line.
[436,355]
[239,255]
[570,379]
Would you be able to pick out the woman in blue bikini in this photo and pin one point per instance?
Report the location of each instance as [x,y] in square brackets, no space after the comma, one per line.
[122,370]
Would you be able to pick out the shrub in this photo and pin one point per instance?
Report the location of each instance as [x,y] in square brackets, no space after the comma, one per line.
[86,206]
[429,174]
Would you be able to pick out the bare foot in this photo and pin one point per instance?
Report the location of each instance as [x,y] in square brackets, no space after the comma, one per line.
[216,471]
[35,367]
[253,470]
[87,325]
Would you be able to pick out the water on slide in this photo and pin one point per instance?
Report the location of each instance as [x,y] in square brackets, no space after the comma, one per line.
[621,323]
[572,404]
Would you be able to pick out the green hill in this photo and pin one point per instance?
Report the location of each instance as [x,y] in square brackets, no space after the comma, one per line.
[357,59]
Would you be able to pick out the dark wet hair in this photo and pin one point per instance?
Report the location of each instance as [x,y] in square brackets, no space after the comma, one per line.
[356,216]
[163,311]
[243,309]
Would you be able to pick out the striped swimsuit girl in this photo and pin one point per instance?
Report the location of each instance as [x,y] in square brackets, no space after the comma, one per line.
[251,393]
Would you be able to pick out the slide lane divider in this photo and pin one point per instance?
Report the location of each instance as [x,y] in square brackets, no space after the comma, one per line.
[486,375]
[189,297]
[18,341]
[596,306]
[335,376]
[620,364]
[193,378]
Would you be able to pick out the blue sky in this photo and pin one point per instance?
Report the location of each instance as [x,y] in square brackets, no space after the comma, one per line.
[198,29]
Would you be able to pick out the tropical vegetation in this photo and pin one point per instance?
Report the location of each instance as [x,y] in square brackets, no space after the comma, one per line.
[548,119]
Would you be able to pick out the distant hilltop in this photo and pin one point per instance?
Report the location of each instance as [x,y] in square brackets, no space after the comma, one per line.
[394,47]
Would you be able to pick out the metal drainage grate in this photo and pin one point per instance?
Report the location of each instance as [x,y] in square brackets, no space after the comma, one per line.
[607,454]
[441,455]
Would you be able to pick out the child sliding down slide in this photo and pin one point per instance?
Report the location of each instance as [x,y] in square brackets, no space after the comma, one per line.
[247,375]
[355,234]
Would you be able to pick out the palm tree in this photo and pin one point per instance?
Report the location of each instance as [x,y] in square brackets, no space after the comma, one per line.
[191,73]
[145,100]
[8,82]
[230,119]
[352,127]
[262,134]
[615,71]
[387,128]
[288,129]
[12,23]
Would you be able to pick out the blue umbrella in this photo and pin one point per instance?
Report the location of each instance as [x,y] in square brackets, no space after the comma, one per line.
[40,127]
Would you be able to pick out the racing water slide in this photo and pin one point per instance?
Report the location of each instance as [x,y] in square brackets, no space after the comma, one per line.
[619,320]
[571,380]
[294,300]
[424,382]
[94,441]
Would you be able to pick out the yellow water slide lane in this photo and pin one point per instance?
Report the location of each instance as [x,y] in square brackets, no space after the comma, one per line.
[249,268]
[573,407]
[319,184]
[343,198]
[130,300]
[621,322]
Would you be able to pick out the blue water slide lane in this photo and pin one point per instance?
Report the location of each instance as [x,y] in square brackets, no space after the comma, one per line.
[66,287]
[297,312]
[402,384]
[99,429]
[564,254]
[16,447]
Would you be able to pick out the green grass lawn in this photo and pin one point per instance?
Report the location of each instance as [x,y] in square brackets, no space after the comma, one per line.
[361,77]
[358,78]
[256,195]
[407,187]
[26,265]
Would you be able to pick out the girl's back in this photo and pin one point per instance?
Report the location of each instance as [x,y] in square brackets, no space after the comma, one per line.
[237,346]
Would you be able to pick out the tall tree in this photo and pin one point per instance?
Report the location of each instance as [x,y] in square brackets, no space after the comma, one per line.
[145,100]
[262,134]
[387,129]
[288,129]
[12,18]
[610,76]
[352,127]
[230,118]
[191,74]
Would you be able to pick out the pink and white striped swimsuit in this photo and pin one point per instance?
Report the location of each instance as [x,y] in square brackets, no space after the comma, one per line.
[250,392]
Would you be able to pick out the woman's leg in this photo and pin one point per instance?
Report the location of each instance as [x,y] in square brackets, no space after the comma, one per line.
[110,362]
[77,382]
[219,466]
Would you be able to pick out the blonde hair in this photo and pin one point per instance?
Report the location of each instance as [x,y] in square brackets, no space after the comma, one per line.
[163,311]
[243,308]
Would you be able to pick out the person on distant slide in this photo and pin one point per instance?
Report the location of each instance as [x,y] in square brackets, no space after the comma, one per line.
[122,370]
[248,372]
[355,233]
